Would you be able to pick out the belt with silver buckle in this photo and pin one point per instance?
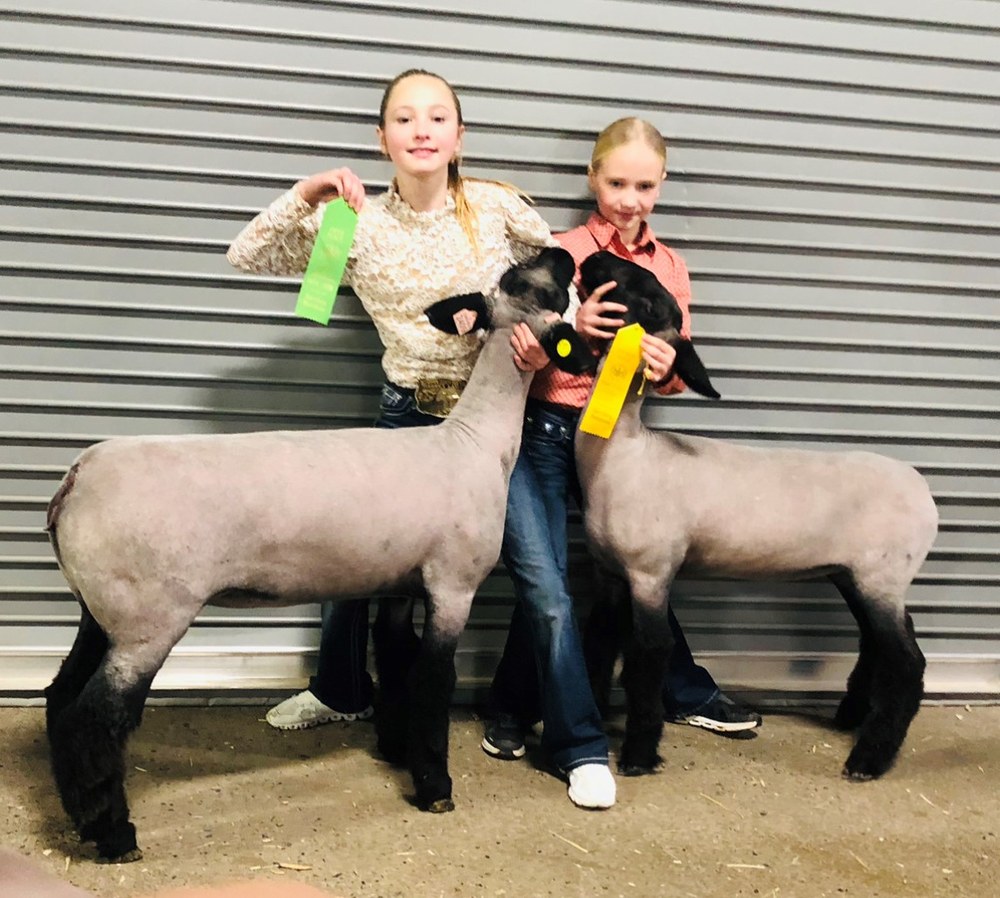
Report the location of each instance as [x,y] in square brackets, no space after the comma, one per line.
[437,396]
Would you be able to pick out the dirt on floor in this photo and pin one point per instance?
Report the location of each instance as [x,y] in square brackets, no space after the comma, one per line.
[219,796]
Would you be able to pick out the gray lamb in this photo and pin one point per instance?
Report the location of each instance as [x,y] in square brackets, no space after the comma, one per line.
[149,530]
[657,503]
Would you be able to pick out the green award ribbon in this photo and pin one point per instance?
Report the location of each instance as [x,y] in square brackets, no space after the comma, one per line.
[326,262]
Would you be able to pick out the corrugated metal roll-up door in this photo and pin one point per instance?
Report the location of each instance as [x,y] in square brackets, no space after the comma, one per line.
[834,186]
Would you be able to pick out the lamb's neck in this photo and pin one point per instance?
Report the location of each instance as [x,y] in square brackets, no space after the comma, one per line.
[491,408]
[596,455]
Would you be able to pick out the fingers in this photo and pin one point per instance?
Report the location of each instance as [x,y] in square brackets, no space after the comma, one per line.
[528,353]
[597,317]
[326,186]
[598,293]
[352,190]
[659,357]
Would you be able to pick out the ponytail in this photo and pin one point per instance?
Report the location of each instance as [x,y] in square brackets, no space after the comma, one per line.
[464,211]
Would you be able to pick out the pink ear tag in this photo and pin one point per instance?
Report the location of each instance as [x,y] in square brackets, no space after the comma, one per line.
[464,320]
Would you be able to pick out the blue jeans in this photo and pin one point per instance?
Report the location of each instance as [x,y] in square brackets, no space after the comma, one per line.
[556,687]
[542,672]
[342,680]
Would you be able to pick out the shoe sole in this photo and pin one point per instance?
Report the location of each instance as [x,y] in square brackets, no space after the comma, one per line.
[589,807]
[320,721]
[706,723]
[305,725]
[499,754]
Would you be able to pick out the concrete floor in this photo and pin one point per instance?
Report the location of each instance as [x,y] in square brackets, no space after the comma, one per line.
[218,796]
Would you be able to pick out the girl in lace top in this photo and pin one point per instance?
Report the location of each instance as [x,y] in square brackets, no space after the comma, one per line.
[433,234]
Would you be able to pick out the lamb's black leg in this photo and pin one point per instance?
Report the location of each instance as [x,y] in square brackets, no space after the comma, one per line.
[897,687]
[88,760]
[396,648]
[84,658]
[608,629]
[645,663]
[432,682]
[87,653]
[856,703]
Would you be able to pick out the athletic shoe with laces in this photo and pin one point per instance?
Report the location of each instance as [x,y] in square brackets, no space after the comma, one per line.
[503,738]
[720,715]
[592,786]
[302,711]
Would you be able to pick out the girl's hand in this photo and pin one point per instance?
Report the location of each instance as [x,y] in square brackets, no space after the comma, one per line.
[592,318]
[528,352]
[659,356]
[328,185]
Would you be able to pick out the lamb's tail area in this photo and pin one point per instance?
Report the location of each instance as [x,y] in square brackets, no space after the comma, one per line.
[56,506]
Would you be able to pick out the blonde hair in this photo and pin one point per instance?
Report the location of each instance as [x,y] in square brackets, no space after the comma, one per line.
[621,132]
[464,212]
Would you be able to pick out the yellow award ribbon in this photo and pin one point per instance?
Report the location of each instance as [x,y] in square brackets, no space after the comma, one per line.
[612,385]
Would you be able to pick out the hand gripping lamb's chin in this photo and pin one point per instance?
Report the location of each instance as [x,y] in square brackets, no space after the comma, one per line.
[659,502]
[149,530]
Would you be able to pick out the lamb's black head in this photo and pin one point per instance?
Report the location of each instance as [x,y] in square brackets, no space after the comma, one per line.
[651,305]
[541,284]
[531,292]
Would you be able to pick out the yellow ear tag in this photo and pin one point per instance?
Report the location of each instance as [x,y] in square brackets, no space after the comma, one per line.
[563,349]
[612,385]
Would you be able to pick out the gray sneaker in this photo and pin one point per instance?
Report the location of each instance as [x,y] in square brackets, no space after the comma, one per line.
[302,711]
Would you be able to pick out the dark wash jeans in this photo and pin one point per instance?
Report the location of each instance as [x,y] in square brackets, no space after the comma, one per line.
[342,680]
[543,481]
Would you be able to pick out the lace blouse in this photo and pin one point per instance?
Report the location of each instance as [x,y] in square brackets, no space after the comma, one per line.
[401,262]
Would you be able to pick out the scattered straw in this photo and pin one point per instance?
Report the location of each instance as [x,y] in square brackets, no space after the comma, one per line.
[721,805]
[931,803]
[570,842]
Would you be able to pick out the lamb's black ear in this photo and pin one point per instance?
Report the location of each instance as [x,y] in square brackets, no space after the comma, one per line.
[690,369]
[597,269]
[560,263]
[442,314]
[567,349]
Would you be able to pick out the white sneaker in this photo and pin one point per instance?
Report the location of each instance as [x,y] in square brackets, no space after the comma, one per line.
[302,711]
[592,786]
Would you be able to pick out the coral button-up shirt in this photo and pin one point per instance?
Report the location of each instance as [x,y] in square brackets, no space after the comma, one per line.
[552,385]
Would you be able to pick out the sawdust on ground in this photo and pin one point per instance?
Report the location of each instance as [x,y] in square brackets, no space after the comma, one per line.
[219,796]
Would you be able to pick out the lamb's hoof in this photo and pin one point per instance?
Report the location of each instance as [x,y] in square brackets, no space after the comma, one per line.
[637,769]
[636,764]
[863,764]
[440,806]
[127,858]
[117,845]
